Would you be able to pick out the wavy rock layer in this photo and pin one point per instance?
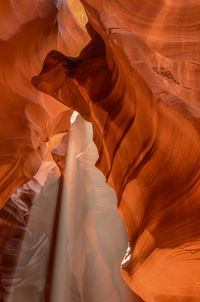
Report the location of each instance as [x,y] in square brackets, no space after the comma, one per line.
[137,83]
[28,31]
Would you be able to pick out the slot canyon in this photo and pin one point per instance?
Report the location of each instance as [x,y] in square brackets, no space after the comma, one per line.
[100,151]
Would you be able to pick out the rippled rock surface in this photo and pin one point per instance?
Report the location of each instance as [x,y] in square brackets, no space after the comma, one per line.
[28,31]
[130,68]
[137,83]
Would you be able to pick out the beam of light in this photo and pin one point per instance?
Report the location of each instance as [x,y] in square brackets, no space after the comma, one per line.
[73,117]
[28,281]
[91,238]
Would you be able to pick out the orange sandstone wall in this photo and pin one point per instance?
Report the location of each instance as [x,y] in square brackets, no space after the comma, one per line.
[28,31]
[137,83]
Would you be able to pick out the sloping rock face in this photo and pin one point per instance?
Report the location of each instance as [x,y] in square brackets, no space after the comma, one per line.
[137,83]
[28,31]
[29,122]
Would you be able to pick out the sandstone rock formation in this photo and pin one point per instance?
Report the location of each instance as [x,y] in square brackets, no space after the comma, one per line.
[137,83]
[135,77]
[28,31]
[87,254]
[29,122]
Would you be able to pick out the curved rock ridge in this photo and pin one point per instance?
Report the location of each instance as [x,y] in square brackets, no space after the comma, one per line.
[137,83]
[28,31]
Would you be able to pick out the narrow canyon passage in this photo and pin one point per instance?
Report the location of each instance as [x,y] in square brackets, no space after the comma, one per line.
[99,150]
[90,240]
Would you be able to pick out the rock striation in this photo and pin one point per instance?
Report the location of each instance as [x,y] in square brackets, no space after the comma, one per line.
[28,31]
[137,83]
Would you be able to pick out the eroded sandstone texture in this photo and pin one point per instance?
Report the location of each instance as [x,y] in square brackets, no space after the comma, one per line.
[137,82]
[28,31]
[133,72]
[29,119]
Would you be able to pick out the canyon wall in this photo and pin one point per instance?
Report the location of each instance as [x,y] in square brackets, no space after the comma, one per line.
[133,72]
[137,83]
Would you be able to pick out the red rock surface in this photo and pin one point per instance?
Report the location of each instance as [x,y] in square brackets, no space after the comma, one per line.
[28,31]
[29,122]
[137,83]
